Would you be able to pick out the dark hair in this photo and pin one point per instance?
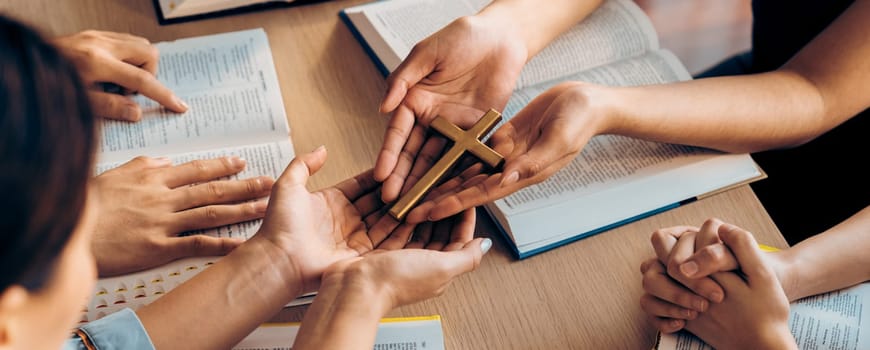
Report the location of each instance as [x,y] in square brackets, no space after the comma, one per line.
[47,136]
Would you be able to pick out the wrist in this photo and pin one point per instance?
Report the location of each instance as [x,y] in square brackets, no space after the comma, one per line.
[280,263]
[354,285]
[602,107]
[500,19]
[779,338]
[787,272]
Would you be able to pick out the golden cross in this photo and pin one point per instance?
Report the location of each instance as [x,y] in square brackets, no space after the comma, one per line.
[463,141]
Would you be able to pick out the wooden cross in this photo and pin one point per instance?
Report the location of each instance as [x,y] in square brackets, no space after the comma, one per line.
[463,141]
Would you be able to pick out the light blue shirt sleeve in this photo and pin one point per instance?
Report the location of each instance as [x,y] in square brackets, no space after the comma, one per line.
[119,330]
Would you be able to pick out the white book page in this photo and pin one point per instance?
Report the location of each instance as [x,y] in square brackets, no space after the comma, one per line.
[832,321]
[618,29]
[395,334]
[230,83]
[182,8]
[393,27]
[654,67]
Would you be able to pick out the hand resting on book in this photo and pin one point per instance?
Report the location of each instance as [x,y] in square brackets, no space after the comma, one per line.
[123,60]
[145,203]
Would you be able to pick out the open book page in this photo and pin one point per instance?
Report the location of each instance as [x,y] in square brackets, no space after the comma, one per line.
[393,333]
[136,289]
[265,159]
[618,29]
[835,320]
[181,8]
[652,67]
[615,178]
[230,83]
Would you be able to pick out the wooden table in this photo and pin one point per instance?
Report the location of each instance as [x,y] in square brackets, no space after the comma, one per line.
[583,295]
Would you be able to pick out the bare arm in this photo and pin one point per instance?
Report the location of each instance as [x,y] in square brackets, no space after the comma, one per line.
[824,85]
[535,24]
[831,260]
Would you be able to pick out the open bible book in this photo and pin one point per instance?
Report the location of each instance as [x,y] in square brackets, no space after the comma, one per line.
[230,83]
[615,180]
[171,11]
[834,320]
[399,333]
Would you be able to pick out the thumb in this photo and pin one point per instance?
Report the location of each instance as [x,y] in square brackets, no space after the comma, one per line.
[114,106]
[419,64]
[302,167]
[468,258]
[748,254]
[202,245]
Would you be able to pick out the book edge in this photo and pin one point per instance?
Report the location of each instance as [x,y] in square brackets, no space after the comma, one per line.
[365,45]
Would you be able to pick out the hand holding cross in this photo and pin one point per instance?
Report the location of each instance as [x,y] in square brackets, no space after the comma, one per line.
[463,141]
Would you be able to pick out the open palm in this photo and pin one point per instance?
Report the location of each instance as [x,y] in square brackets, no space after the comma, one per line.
[458,73]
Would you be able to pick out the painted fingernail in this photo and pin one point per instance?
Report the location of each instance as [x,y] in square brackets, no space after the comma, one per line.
[510,179]
[180,102]
[131,112]
[700,305]
[485,245]
[689,268]
[237,162]
[716,297]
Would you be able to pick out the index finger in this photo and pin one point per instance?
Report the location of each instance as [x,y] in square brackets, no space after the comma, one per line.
[202,170]
[140,80]
[664,239]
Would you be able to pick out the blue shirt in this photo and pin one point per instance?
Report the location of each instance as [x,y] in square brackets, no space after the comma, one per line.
[119,330]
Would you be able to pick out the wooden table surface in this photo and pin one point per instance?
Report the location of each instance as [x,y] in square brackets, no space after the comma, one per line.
[583,295]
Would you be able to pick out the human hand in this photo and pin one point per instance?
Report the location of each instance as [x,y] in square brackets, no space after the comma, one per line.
[125,60]
[146,202]
[677,282]
[321,228]
[754,313]
[459,73]
[407,276]
[541,139]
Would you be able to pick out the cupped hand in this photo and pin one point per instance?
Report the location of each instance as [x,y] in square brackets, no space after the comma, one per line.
[406,276]
[458,73]
[121,59]
[541,139]
[146,203]
[318,229]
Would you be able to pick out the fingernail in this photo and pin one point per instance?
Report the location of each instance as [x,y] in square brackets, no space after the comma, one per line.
[260,207]
[238,162]
[485,245]
[689,268]
[690,314]
[716,297]
[700,305]
[510,179]
[180,102]
[131,112]
[163,159]
[676,323]
[319,148]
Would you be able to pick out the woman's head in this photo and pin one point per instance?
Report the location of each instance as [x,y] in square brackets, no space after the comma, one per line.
[47,134]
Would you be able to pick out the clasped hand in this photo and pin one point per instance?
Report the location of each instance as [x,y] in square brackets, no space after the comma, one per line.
[715,282]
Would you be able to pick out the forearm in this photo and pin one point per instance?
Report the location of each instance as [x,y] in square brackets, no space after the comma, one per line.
[733,114]
[225,302]
[343,316]
[834,259]
[538,24]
